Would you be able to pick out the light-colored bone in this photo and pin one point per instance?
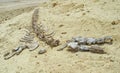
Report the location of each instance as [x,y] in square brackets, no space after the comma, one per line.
[62,47]
[73,45]
[20,49]
[100,41]
[41,32]
[33,45]
[91,41]
[83,48]
[96,49]
[8,56]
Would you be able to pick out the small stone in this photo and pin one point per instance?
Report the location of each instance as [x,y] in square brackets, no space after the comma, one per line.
[54,4]
[84,14]
[42,51]
[64,33]
[113,23]
[111,60]
[37,62]
[61,25]
[67,14]
[59,65]
[35,56]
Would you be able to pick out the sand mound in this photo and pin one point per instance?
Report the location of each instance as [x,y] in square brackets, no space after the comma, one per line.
[95,18]
[7,15]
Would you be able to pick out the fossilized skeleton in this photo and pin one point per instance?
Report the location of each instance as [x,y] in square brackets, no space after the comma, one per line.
[28,41]
[75,44]
[87,44]
[41,33]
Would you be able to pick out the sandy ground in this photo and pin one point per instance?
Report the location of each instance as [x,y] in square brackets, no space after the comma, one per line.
[89,18]
[12,8]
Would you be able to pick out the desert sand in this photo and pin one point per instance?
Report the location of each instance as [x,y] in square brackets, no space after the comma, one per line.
[87,18]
